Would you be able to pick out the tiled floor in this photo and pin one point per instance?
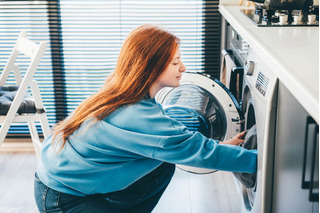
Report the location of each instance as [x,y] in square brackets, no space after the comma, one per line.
[187,193]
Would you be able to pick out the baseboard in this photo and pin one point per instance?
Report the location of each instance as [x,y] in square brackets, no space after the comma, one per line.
[17,145]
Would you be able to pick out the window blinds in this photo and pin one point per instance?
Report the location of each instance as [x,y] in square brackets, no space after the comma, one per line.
[85,37]
[30,16]
[93,33]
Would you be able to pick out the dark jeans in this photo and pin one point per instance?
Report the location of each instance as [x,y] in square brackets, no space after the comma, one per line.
[141,196]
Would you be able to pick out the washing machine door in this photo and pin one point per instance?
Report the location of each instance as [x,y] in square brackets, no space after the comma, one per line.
[203,105]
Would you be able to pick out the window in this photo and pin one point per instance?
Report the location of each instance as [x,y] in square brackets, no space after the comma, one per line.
[31,16]
[85,37]
[93,34]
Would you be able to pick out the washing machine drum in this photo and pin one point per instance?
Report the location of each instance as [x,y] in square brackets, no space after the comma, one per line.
[202,105]
[197,109]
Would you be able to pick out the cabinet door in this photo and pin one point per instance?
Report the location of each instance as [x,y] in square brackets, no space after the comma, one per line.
[295,159]
[316,207]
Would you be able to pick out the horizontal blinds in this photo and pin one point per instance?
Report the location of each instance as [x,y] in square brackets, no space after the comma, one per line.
[212,38]
[30,16]
[184,18]
[93,32]
[84,39]
[91,42]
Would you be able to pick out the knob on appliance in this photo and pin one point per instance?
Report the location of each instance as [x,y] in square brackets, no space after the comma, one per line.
[283,19]
[312,19]
[249,67]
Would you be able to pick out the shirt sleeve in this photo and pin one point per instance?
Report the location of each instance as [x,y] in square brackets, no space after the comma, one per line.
[147,131]
[194,149]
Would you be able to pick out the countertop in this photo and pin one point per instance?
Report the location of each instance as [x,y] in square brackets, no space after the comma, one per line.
[291,52]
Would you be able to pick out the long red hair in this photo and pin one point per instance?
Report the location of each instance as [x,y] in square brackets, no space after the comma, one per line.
[145,54]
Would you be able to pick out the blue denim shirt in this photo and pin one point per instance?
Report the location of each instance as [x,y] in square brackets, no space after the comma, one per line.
[128,144]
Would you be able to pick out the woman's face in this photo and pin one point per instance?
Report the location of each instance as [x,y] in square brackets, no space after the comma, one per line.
[172,74]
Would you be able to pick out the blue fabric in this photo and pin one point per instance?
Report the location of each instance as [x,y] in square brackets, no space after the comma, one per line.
[7,95]
[128,144]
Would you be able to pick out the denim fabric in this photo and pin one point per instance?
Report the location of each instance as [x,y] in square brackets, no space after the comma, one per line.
[142,196]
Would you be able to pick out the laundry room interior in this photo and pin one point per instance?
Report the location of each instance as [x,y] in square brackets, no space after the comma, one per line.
[185,106]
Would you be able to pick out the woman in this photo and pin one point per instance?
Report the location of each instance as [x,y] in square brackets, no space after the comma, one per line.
[116,152]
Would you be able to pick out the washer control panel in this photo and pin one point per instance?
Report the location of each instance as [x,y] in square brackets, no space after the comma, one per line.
[262,83]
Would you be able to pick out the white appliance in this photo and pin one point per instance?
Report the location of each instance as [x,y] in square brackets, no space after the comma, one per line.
[204,105]
[259,106]
[208,106]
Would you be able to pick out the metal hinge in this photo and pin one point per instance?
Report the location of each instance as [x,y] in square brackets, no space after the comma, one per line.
[238,120]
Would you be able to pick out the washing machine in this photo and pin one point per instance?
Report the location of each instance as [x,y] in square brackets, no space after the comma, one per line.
[202,104]
[206,105]
[259,108]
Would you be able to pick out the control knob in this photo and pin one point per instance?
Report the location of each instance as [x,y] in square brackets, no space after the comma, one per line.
[249,67]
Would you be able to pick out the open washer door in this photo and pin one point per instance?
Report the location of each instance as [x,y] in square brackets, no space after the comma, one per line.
[203,105]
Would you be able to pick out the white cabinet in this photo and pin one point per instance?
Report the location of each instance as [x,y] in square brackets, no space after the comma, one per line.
[296,167]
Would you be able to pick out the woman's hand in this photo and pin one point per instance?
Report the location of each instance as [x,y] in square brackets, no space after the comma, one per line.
[236,140]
